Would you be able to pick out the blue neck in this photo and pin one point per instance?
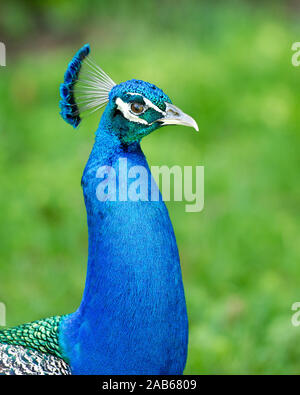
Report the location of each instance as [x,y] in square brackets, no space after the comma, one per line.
[132,318]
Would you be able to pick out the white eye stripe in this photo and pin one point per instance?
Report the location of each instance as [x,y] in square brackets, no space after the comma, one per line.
[125,109]
[147,102]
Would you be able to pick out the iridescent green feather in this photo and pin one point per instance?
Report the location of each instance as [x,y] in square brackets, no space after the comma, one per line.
[39,335]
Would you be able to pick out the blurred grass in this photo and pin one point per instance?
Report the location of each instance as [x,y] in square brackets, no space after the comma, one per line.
[229,66]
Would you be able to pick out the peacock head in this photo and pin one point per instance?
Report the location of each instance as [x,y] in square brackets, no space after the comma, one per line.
[134,108]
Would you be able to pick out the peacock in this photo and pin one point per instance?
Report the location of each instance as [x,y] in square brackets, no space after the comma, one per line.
[132,318]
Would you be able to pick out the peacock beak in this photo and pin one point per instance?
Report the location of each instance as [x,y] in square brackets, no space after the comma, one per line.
[174,116]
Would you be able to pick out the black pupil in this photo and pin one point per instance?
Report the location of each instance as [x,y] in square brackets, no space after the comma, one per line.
[137,108]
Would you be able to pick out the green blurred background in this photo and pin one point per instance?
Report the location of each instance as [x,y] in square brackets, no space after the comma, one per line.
[228,64]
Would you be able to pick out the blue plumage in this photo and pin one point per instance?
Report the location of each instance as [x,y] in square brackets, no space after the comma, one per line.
[68,106]
[152,92]
[132,318]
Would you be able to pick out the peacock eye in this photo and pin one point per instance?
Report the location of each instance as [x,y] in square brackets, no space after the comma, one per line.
[137,108]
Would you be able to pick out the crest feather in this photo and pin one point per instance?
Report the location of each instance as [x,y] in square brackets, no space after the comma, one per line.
[85,88]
